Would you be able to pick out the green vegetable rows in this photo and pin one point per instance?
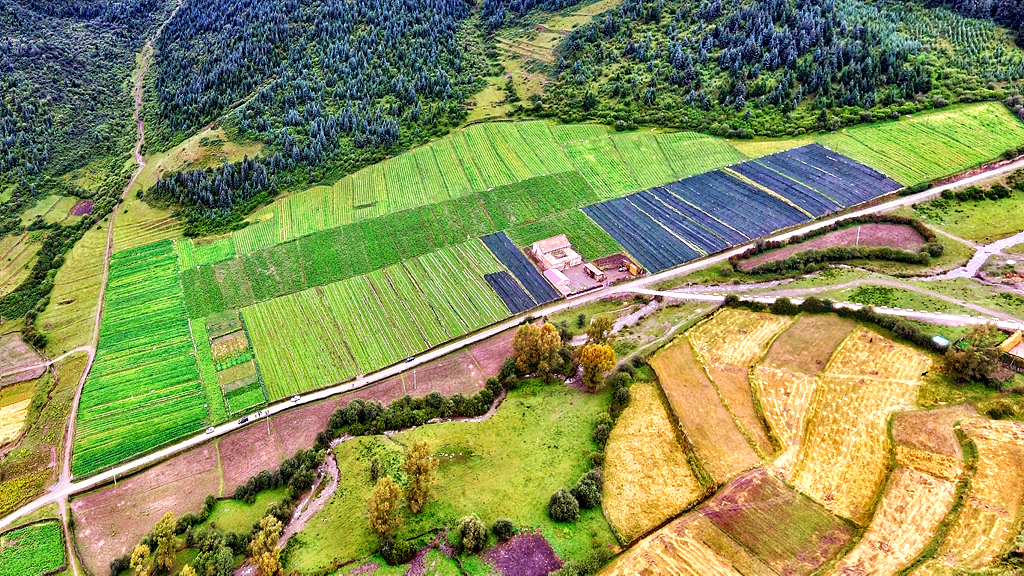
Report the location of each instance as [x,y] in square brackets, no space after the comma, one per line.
[144,389]
[32,550]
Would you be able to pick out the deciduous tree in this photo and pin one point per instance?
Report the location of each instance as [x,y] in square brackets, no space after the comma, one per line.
[266,554]
[165,546]
[140,560]
[419,466]
[536,348]
[600,330]
[596,359]
[384,518]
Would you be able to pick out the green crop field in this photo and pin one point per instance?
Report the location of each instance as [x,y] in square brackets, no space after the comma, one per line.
[208,373]
[144,388]
[329,334]
[931,145]
[587,237]
[245,399]
[32,550]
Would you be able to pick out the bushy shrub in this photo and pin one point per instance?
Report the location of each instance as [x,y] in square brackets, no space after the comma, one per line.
[396,552]
[472,534]
[563,507]
[118,565]
[593,562]
[588,489]
[602,429]
[503,529]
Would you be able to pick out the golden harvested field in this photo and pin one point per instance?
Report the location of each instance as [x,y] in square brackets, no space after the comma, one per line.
[735,336]
[865,353]
[12,418]
[911,509]
[990,519]
[784,397]
[932,430]
[674,550]
[844,459]
[229,345]
[705,421]
[647,479]
[728,344]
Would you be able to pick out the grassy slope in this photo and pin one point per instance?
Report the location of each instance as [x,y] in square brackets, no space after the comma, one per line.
[507,466]
[982,221]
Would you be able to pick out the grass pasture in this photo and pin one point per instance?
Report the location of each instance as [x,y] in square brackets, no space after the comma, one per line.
[32,550]
[647,476]
[68,319]
[990,519]
[144,389]
[708,425]
[17,257]
[505,466]
[844,459]
[912,507]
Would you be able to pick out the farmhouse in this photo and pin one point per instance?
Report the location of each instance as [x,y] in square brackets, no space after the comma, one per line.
[555,253]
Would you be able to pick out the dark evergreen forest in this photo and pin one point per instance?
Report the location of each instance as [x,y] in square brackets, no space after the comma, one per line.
[327,81]
[774,67]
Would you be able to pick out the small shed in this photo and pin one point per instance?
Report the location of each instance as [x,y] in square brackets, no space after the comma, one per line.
[558,280]
[1014,345]
[941,341]
[594,272]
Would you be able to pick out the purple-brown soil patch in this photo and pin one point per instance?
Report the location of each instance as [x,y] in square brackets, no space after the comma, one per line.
[525,554]
[109,522]
[785,529]
[15,354]
[82,207]
[867,235]
[368,568]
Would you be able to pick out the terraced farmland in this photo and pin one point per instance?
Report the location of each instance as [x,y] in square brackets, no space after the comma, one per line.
[144,388]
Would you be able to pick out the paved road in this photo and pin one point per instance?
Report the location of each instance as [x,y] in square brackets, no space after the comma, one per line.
[67,488]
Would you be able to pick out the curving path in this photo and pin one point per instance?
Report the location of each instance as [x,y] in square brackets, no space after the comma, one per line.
[87,348]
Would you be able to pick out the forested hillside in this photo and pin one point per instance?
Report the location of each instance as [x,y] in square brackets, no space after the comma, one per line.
[65,103]
[772,67]
[328,81]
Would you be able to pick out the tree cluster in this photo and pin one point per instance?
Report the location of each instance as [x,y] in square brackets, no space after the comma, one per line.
[978,359]
[297,473]
[565,505]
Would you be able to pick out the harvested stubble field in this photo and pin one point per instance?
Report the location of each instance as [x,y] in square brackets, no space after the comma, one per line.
[647,478]
[991,516]
[925,440]
[756,526]
[844,459]
[867,235]
[911,509]
[706,422]
[16,354]
[787,377]
[729,343]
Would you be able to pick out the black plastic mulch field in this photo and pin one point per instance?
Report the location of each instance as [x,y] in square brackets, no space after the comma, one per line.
[510,292]
[807,198]
[843,180]
[528,275]
[651,244]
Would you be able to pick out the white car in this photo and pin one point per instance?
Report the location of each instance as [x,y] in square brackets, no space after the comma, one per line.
[295,398]
[209,430]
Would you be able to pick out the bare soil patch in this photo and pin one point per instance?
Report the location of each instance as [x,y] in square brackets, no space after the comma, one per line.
[16,355]
[525,554]
[867,235]
[112,520]
[82,207]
